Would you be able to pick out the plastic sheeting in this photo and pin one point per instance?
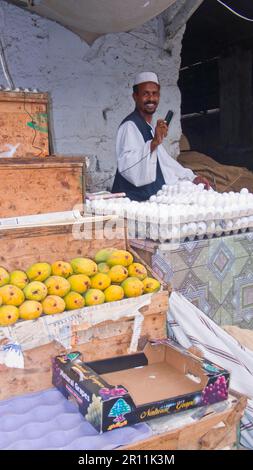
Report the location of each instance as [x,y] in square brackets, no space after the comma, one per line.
[92,18]
[47,421]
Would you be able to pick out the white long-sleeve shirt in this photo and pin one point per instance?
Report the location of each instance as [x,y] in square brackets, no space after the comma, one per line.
[138,165]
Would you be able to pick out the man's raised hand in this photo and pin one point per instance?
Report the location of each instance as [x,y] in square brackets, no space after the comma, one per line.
[161,131]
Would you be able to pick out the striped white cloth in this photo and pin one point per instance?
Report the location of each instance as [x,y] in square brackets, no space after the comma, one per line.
[190,327]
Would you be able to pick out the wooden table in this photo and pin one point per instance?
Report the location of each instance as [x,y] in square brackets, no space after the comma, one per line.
[212,431]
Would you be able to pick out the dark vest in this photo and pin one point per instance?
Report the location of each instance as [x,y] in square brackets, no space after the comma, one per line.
[142,193]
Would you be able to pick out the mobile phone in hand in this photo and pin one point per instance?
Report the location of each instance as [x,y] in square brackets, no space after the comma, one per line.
[168,117]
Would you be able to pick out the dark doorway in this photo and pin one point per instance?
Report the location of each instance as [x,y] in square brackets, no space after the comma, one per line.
[216,82]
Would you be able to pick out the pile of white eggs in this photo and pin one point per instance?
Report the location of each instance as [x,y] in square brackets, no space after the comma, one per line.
[182,211]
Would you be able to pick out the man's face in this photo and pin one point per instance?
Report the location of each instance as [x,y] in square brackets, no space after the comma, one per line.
[147,98]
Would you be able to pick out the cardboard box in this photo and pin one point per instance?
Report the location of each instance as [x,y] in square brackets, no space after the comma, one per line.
[98,335]
[162,379]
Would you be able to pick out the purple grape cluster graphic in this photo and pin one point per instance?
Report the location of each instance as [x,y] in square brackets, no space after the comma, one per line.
[216,391]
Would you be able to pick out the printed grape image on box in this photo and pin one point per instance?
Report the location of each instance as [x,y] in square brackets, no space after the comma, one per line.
[162,379]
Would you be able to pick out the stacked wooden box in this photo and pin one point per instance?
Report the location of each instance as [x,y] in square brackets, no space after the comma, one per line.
[32,185]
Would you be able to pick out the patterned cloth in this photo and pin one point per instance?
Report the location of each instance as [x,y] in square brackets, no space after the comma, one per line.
[216,275]
[191,327]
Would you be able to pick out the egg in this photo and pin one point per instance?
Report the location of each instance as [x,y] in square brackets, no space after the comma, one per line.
[229,225]
[201,186]
[244,224]
[244,191]
[175,232]
[201,230]
[210,229]
[184,230]
[192,228]
[201,200]
[218,230]
[251,222]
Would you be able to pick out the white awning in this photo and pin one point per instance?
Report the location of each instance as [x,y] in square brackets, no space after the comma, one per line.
[92,18]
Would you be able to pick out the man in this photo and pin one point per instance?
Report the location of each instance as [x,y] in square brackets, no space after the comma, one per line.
[143,163]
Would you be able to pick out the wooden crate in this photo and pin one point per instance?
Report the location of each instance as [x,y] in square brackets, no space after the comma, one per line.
[30,186]
[214,431]
[21,247]
[145,249]
[24,124]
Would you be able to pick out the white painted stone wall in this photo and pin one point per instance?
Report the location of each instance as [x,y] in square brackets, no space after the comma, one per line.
[90,86]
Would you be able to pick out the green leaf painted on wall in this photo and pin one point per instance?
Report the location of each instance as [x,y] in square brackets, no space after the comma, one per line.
[39,122]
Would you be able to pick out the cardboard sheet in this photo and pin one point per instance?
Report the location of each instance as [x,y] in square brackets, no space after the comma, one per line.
[61,327]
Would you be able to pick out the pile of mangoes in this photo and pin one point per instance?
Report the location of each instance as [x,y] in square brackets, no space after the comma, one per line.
[53,288]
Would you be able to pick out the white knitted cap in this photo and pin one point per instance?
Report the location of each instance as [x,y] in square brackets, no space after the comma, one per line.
[144,77]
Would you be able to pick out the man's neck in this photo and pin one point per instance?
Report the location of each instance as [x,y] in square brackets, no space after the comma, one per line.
[147,117]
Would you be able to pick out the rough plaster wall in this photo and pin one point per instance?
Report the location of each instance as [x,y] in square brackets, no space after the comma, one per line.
[90,87]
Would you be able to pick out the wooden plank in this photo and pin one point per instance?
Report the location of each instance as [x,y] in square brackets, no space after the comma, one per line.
[219,437]
[103,340]
[154,327]
[36,193]
[18,97]
[34,232]
[53,161]
[193,436]
[36,376]
[28,187]
[19,248]
[100,349]
[24,124]
[143,254]
[159,302]
[111,346]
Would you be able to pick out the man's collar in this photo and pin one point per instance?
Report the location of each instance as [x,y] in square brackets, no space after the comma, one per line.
[149,124]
